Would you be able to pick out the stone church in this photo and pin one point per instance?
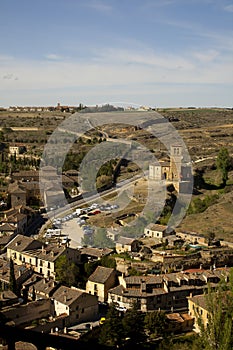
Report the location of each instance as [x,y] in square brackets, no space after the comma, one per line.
[175,171]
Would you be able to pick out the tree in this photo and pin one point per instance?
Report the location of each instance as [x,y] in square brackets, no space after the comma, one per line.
[218,335]
[101,240]
[223,164]
[12,282]
[112,332]
[155,323]
[67,273]
[33,293]
[133,325]
[210,237]
[108,261]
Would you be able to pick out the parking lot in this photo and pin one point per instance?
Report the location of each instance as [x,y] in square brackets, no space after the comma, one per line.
[73,226]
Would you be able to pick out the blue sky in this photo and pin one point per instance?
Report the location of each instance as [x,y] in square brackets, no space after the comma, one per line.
[147,52]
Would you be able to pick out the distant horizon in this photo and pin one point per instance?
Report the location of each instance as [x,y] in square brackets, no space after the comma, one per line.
[116,105]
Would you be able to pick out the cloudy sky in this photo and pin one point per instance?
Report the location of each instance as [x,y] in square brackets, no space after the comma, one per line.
[147,52]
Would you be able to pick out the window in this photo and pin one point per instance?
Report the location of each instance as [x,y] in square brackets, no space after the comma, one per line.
[40,270]
[30,261]
[48,265]
[95,286]
[118,298]
[82,310]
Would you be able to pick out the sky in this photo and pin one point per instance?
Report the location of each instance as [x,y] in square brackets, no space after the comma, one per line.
[158,53]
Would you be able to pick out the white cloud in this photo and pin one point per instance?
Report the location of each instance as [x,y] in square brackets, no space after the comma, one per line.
[206,56]
[6,58]
[120,67]
[53,57]
[99,6]
[229,8]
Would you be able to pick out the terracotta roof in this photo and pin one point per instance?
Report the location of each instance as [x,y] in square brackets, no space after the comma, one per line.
[7,227]
[200,300]
[125,240]
[96,252]
[44,286]
[5,270]
[67,295]
[143,279]
[156,227]
[20,243]
[7,295]
[47,253]
[101,274]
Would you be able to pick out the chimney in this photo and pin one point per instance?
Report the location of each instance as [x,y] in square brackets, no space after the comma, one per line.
[43,249]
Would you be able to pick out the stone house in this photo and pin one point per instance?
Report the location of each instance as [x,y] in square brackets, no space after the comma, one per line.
[8,298]
[93,254]
[41,258]
[167,292]
[76,303]
[7,229]
[21,274]
[18,245]
[113,234]
[200,309]
[43,288]
[100,281]
[25,314]
[126,245]
[18,194]
[157,231]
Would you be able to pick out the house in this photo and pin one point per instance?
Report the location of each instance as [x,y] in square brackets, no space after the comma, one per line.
[179,322]
[147,291]
[167,292]
[17,150]
[41,258]
[198,308]
[157,231]
[92,254]
[125,245]
[8,298]
[25,314]
[21,274]
[43,288]
[7,229]
[18,245]
[18,194]
[17,220]
[113,234]
[76,303]
[100,281]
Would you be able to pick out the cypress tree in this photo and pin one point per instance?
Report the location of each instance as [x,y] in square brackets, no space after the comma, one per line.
[12,282]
